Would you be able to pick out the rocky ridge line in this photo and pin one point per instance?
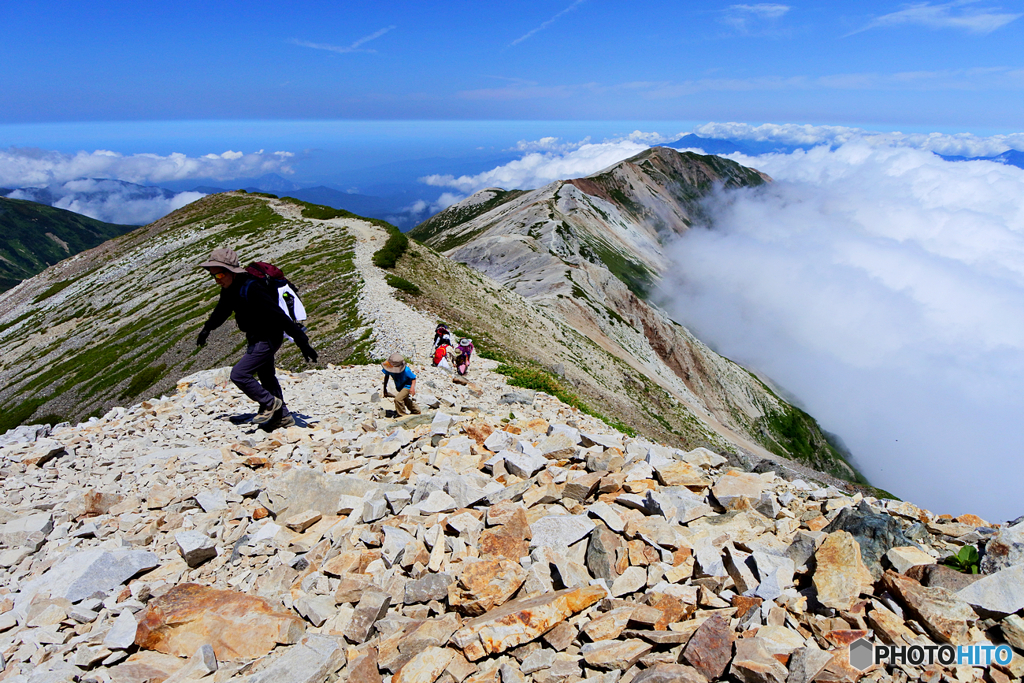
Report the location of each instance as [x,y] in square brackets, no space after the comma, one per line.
[500,536]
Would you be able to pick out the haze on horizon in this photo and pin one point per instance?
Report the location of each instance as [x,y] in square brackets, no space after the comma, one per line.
[433,102]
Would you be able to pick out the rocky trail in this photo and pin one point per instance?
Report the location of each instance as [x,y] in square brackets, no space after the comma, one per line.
[500,537]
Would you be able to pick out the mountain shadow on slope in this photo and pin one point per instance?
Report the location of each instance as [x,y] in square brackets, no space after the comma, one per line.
[35,236]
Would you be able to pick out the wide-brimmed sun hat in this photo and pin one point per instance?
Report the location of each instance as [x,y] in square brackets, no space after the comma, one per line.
[394,363]
[223,257]
[465,341]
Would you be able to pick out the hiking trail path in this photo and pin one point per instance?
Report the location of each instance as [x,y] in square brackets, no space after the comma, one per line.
[396,326]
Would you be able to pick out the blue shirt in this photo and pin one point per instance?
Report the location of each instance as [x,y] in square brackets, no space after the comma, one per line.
[402,379]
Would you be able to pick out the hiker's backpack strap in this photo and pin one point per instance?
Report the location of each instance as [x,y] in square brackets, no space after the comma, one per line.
[244,291]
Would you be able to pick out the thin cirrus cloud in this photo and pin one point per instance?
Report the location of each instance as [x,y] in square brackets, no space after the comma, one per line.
[357,46]
[955,15]
[977,79]
[531,33]
[745,18]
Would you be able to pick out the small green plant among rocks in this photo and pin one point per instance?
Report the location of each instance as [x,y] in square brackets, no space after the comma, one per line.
[967,560]
[402,285]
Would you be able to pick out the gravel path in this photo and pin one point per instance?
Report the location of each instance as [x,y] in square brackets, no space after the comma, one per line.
[396,327]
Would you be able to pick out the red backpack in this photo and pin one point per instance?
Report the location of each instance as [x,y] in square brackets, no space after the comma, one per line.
[273,277]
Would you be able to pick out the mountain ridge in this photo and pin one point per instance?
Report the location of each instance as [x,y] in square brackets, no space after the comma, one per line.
[590,251]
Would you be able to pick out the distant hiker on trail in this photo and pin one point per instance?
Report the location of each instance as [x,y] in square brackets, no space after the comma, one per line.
[405,384]
[442,358]
[442,336]
[265,323]
[462,354]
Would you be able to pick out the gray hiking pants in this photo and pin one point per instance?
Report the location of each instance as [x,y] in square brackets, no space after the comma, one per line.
[258,362]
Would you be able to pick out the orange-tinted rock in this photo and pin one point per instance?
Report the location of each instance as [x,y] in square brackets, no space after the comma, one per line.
[236,625]
[609,625]
[363,669]
[522,620]
[840,575]
[425,667]
[973,520]
[745,605]
[510,540]
[946,616]
[710,648]
[478,432]
[92,504]
[485,584]
[673,611]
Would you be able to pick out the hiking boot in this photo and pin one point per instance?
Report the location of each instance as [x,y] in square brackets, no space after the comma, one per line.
[286,421]
[268,412]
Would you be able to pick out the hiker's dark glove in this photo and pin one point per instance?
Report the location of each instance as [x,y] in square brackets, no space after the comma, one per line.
[203,335]
[308,353]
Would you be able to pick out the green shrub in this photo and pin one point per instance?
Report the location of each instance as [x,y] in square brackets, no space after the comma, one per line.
[388,255]
[541,380]
[19,414]
[144,380]
[52,289]
[402,285]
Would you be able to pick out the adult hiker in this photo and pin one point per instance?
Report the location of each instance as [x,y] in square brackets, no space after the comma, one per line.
[402,375]
[462,355]
[442,336]
[264,323]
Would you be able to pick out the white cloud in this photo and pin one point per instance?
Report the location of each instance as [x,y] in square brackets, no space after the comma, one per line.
[956,15]
[20,167]
[536,169]
[962,144]
[883,287]
[356,46]
[113,201]
[126,210]
[528,34]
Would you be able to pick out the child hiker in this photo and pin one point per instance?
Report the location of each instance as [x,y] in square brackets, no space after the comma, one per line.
[405,384]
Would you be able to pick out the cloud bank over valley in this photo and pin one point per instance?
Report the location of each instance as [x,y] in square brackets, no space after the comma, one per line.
[882,287]
[111,187]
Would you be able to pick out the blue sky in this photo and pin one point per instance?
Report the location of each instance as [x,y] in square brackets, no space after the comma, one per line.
[954,65]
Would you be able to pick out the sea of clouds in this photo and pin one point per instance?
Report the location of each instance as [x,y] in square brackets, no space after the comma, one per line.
[112,187]
[882,288]
[877,285]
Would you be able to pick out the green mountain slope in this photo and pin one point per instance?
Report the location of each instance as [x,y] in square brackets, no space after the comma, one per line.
[118,322]
[34,236]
